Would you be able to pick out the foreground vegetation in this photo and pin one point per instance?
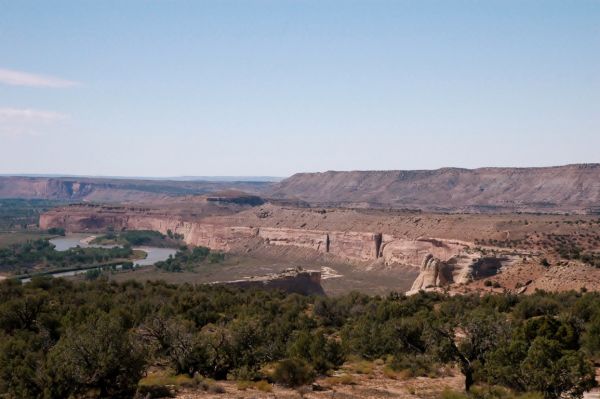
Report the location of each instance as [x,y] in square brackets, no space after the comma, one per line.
[60,339]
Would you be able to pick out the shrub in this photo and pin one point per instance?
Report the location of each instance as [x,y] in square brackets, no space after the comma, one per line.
[263,386]
[362,367]
[450,394]
[321,352]
[293,373]
[216,257]
[344,379]
[214,388]
[93,274]
[56,231]
[414,366]
[243,385]
[154,391]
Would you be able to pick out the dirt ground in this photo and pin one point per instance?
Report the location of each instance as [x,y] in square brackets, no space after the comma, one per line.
[347,384]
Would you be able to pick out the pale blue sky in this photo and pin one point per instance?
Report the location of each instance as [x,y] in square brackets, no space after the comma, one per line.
[165,88]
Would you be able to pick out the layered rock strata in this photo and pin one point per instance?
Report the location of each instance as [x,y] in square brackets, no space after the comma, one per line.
[462,268]
[343,245]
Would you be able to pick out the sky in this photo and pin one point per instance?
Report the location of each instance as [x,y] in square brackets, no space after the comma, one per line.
[271,88]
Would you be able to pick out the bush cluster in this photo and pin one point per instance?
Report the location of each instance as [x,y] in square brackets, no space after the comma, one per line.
[187,259]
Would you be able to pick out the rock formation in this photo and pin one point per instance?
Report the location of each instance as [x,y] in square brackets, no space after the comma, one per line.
[442,262]
[219,234]
[413,252]
[292,280]
[433,273]
[458,269]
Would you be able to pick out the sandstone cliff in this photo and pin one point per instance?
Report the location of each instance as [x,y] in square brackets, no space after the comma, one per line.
[224,234]
[434,273]
[458,269]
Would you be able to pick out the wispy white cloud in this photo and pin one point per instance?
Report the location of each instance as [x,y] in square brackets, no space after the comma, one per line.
[25,121]
[19,78]
[30,114]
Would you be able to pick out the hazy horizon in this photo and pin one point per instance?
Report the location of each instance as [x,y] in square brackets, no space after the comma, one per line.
[269,89]
[251,178]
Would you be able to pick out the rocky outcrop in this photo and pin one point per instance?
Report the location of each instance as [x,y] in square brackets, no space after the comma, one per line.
[413,252]
[293,280]
[459,269]
[434,273]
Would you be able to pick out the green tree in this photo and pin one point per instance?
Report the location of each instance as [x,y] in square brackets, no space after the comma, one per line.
[97,358]
[554,372]
[468,339]
[21,359]
[542,355]
[321,352]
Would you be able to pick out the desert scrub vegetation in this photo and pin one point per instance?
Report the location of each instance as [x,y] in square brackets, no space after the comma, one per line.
[262,385]
[489,392]
[98,339]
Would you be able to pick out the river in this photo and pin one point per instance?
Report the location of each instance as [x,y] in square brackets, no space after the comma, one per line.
[155,254]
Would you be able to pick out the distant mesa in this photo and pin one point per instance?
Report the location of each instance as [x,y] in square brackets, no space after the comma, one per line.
[570,188]
[560,189]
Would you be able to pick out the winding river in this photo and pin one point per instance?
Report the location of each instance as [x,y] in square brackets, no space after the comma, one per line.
[155,254]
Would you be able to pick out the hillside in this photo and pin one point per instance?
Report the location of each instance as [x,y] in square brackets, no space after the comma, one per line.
[549,189]
[113,190]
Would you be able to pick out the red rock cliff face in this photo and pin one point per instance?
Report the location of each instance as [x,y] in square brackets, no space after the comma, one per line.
[355,245]
[344,245]
[412,252]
